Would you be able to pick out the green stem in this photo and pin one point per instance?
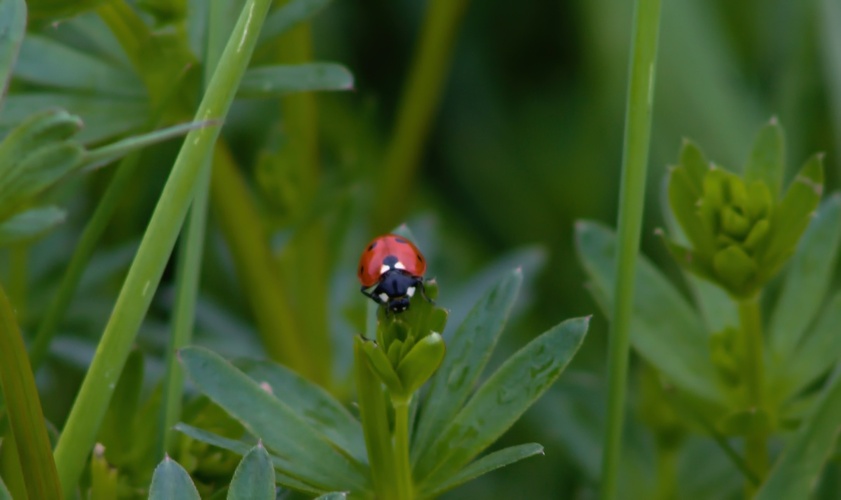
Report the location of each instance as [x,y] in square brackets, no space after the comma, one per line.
[632,199]
[756,446]
[666,473]
[405,487]
[82,253]
[18,263]
[26,418]
[418,105]
[79,434]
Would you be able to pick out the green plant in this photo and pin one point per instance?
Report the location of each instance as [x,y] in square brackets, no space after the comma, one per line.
[415,445]
[741,371]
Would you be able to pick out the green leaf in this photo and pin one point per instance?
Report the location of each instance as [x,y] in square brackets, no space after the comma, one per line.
[254,477]
[807,281]
[104,485]
[421,362]
[313,404]
[283,19]
[336,495]
[39,171]
[104,116]
[4,492]
[275,81]
[12,29]
[242,448]
[23,409]
[684,190]
[733,267]
[316,461]
[30,224]
[767,158]
[792,215]
[381,366]
[796,472]
[817,352]
[468,352]
[33,133]
[486,464]
[46,62]
[170,480]
[665,330]
[501,400]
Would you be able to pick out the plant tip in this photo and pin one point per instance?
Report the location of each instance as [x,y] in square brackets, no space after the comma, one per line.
[773,120]
[658,231]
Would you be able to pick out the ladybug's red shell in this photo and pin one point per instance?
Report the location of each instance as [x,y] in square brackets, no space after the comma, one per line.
[371,264]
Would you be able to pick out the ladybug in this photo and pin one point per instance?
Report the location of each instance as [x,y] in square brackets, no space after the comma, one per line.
[391,271]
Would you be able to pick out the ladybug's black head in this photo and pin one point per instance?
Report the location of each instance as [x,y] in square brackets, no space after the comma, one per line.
[398,304]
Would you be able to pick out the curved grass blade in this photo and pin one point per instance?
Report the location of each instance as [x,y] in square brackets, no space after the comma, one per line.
[242,448]
[468,352]
[486,464]
[311,455]
[254,477]
[313,404]
[664,329]
[23,408]
[12,29]
[276,81]
[501,400]
[170,480]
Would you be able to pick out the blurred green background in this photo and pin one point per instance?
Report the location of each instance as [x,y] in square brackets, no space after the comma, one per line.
[526,139]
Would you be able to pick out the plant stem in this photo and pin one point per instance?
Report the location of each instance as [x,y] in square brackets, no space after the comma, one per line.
[418,104]
[756,446]
[631,202]
[79,434]
[405,487]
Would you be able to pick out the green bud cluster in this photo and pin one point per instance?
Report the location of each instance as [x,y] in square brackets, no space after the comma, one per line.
[740,229]
[409,347]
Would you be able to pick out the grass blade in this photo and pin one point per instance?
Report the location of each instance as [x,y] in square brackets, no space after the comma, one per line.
[24,409]
[79,433]
[285,18]
[12,29]
[254,477]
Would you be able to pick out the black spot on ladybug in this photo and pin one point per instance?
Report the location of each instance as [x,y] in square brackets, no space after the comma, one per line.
[420,258]
[372,245]
[361,269]
[400,240]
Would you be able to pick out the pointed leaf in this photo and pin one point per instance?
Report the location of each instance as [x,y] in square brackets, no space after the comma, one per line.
[12,29]
[39,171]
[29,225]
[664,329]
[421,362]
[819,350]
[807,280]
[34,132]
[379,363]
[766,162]
[792,215]
[684,191]
[254,477]
[170,480]
[275,81]
[468,352]
[283,19]
[47,62]
[501,400]
[796,472]
[242,448]
[314,404]
[486,464]
[280,428]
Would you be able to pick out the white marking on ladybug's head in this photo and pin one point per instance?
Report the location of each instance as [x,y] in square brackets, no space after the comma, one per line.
[410,291]
[384,269]
[399,265]
[384,297]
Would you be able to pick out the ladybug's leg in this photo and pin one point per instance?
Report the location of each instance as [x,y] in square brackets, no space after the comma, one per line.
[373,295]
[419,286]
